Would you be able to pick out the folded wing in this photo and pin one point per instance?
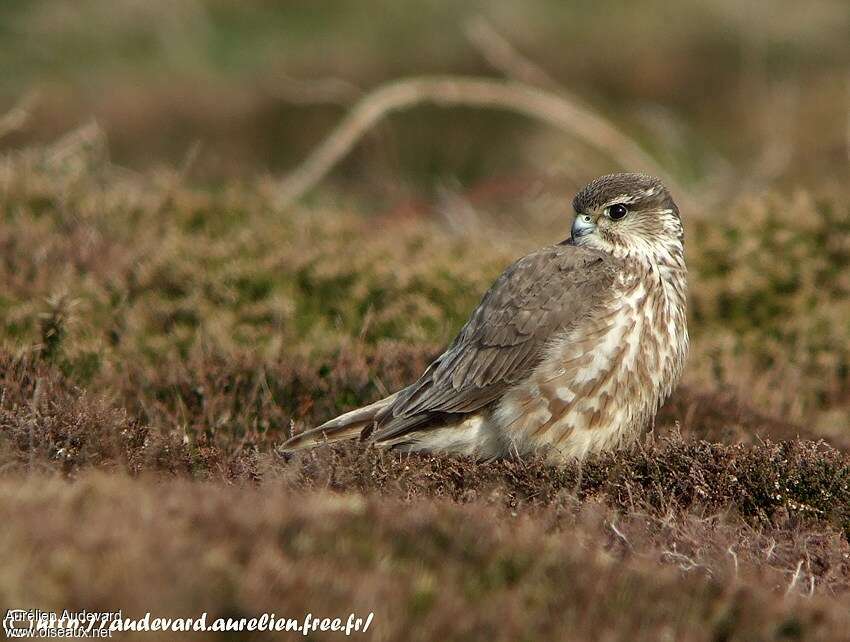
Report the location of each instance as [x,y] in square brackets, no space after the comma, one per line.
[537,298]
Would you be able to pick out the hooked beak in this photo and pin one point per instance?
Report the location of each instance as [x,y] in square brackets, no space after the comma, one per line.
[582,226]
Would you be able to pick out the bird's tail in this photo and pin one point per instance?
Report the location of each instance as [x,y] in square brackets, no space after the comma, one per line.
[347,426]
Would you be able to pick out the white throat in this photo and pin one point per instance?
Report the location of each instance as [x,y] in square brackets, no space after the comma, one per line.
[662,254]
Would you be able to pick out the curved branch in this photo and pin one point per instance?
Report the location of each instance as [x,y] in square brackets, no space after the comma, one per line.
[500,54]
[448,91]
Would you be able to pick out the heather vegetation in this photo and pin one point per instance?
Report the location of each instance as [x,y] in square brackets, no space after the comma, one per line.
[164,325]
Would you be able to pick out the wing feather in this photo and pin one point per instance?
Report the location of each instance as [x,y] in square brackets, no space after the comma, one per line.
[538,297]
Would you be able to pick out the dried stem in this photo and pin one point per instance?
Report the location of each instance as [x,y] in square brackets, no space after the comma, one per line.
[795,578]
[503,56]
[16,118]
[448,91]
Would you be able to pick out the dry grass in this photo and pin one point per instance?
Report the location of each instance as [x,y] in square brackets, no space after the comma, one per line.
[680,537]
[427,569]
[163,339]
[106,273]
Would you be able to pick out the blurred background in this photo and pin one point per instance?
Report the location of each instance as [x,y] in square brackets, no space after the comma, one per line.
[706,86]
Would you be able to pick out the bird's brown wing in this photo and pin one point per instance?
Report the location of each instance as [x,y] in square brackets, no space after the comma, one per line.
[535,299]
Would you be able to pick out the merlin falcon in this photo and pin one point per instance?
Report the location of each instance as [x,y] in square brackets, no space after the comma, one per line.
[570,352]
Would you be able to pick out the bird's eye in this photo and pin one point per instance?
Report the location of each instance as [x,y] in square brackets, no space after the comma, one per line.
[617,211]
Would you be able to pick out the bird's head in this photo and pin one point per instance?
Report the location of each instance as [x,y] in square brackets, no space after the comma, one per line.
[629,215]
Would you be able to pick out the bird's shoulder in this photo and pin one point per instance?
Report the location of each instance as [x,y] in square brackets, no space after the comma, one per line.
[549,282]
[535,299]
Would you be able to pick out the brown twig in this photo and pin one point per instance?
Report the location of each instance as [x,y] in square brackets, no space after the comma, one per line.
[498,51]
[504,57]
[447,91]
